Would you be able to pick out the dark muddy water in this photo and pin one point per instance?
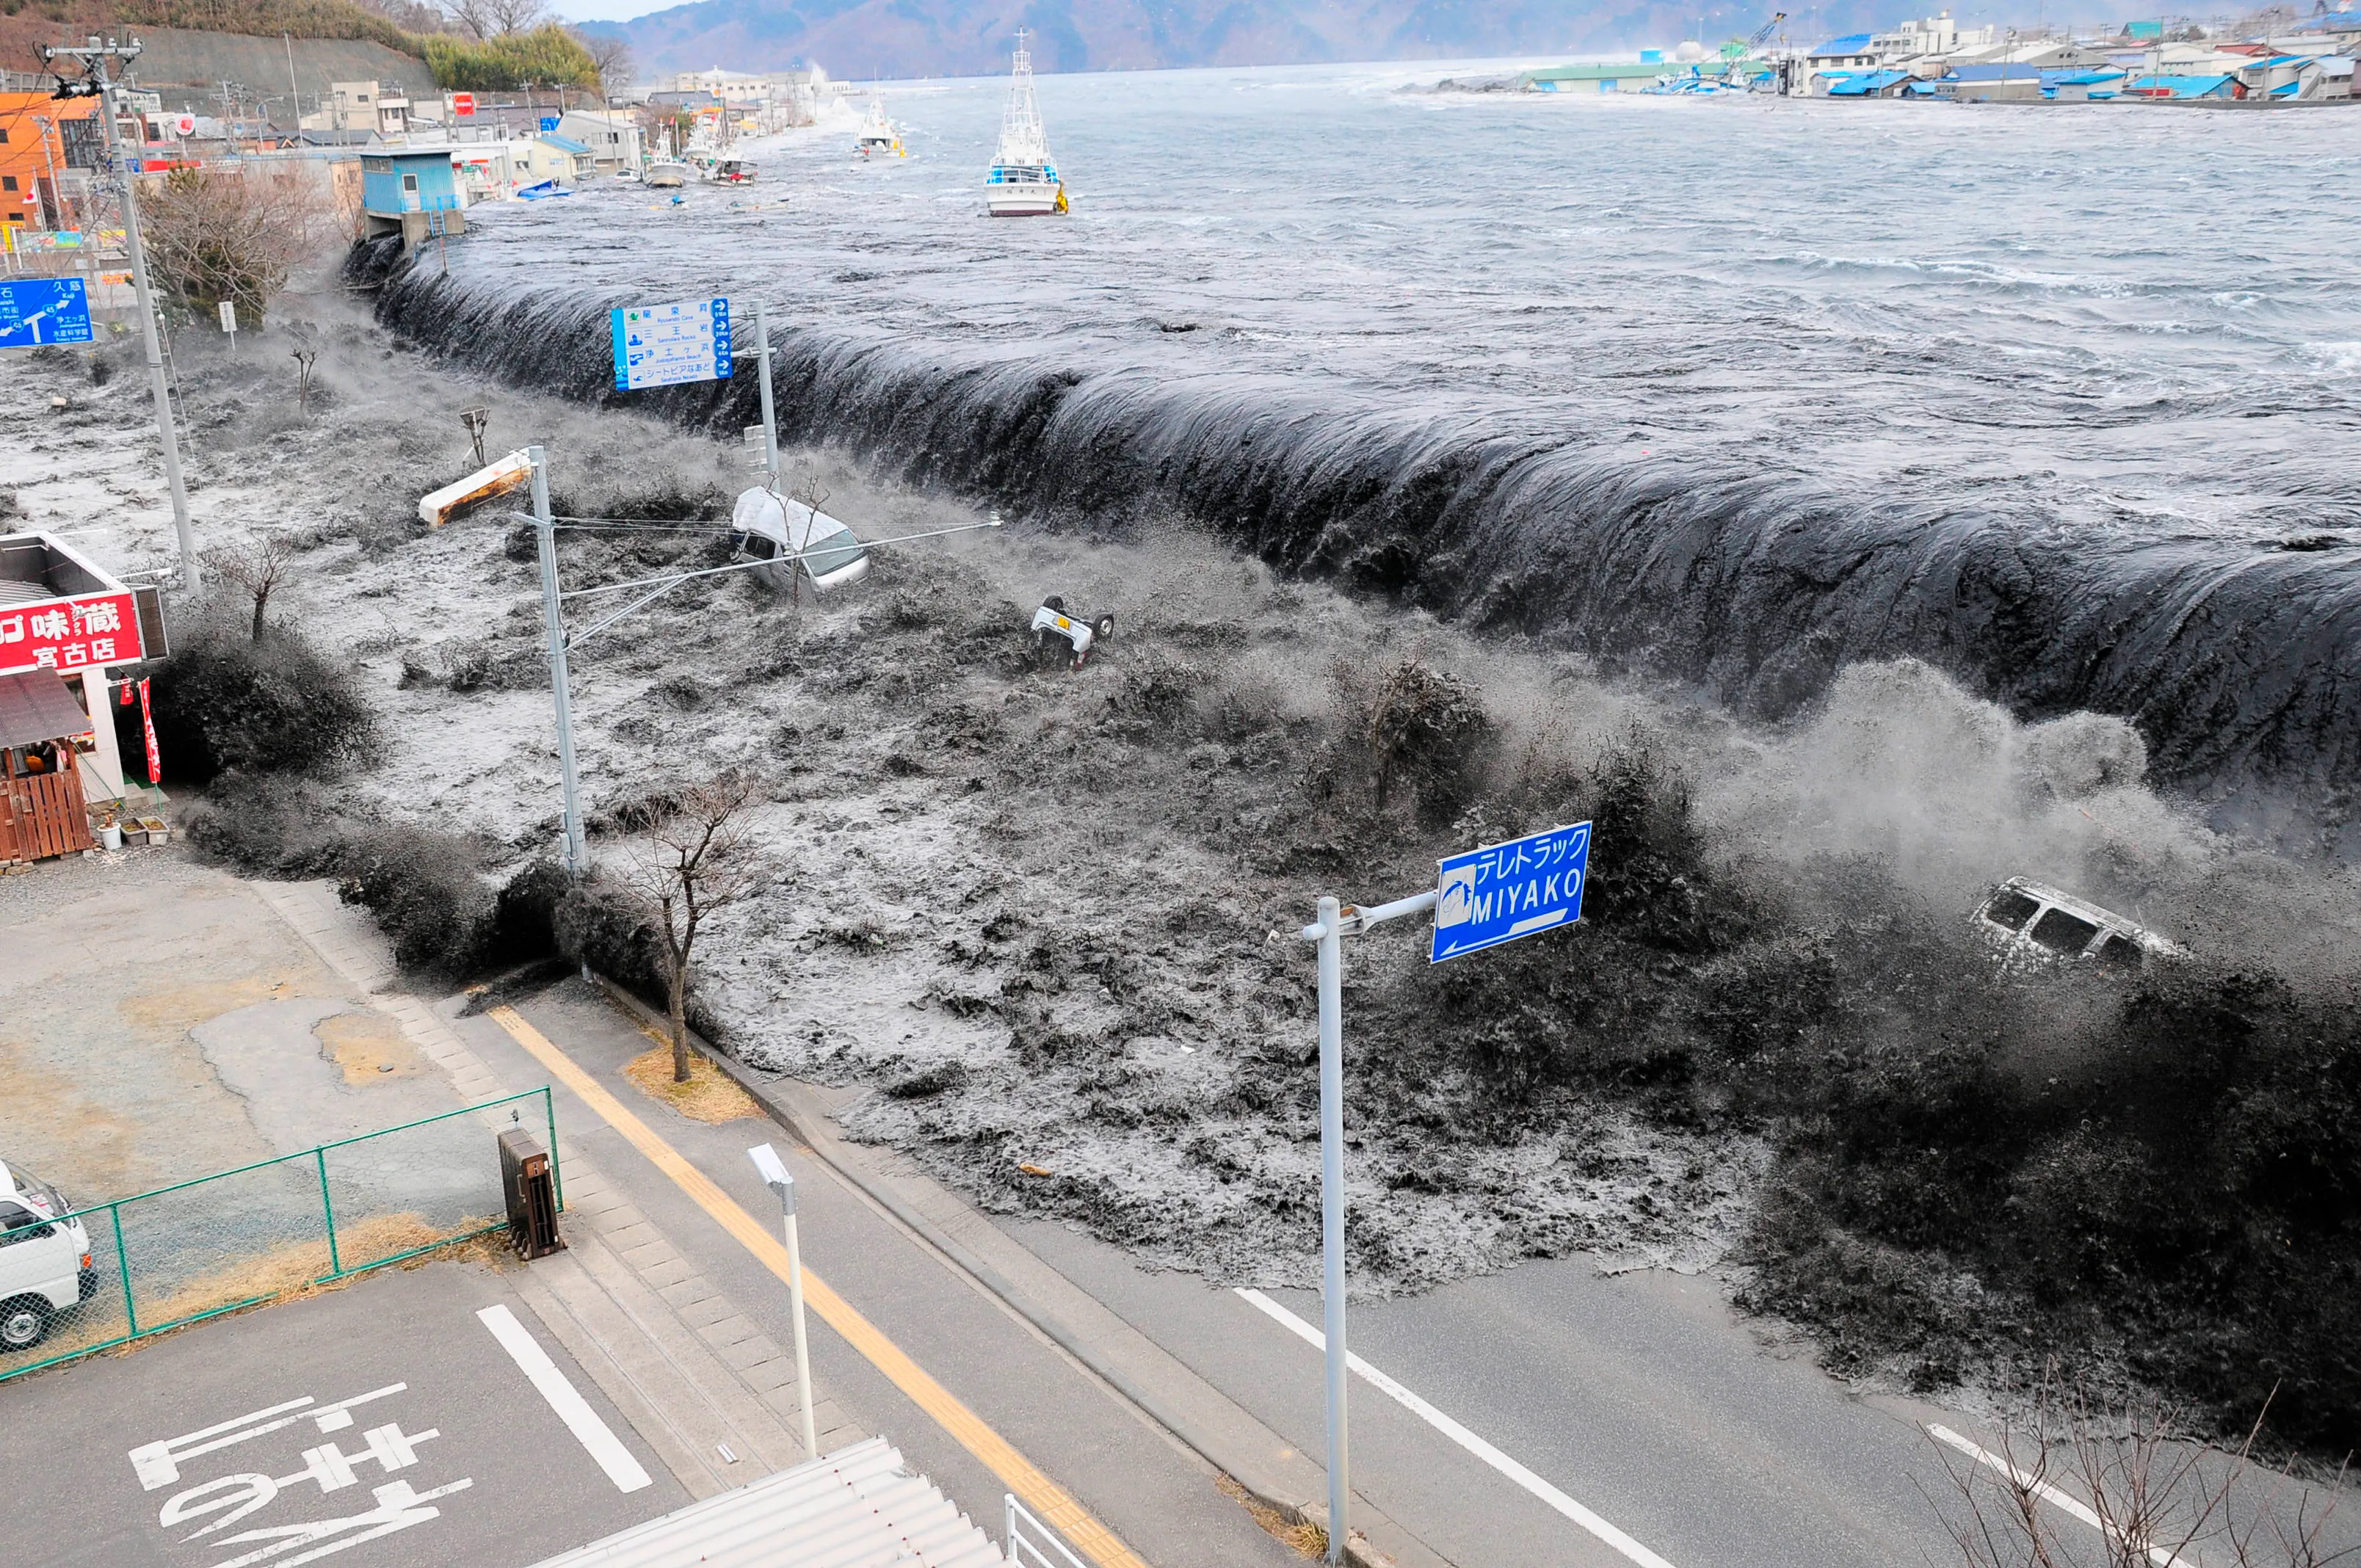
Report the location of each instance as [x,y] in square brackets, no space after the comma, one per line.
[2058,400]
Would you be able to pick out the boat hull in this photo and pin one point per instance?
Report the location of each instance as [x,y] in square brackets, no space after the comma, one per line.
[1026,201]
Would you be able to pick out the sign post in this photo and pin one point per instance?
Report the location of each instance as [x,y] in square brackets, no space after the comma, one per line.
[1481,898]
[229,325]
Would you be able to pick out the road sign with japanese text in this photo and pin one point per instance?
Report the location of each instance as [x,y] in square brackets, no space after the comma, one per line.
[35,310]
[1503,891]
[663,345]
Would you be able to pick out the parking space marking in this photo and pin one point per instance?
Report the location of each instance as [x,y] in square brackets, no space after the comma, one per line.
[592,1433]
[1459,1435]
[1052,1502]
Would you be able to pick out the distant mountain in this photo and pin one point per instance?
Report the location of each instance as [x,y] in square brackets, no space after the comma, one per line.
[901,38]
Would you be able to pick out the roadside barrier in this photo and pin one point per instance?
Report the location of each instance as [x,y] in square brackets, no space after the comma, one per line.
[1032,1545]
[197,1249]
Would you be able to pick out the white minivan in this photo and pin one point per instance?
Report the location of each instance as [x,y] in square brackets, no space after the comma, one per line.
[769,529]
[44,1261]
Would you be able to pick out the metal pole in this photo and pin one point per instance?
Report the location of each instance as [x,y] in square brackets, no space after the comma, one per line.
[770,415]
[187,540]
[796,1304]
[1331,1209]
[553,615]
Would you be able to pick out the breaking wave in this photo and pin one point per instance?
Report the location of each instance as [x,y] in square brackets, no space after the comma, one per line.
[2232,656]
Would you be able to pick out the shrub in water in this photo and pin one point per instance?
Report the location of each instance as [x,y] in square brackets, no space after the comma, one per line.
[227,701]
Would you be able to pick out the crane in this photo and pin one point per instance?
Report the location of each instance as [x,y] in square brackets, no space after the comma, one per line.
[1762,34]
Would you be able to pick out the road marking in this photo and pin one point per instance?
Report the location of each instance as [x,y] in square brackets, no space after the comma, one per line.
[1460,1435]
[2160,1556]
[572,1408]
[1033,1488]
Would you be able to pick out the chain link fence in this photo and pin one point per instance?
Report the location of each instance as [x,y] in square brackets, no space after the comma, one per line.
[115,1272]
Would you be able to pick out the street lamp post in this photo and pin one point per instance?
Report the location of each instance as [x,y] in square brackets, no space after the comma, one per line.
[775,1176]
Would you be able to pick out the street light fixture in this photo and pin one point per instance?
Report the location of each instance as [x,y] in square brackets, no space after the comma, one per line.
[773,1172]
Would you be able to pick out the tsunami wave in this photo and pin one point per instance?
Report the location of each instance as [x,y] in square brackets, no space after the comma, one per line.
[2234,656]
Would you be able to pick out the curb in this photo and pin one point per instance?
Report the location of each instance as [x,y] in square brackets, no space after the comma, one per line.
[1204,1444]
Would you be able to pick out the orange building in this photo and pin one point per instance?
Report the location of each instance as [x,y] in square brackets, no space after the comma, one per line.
[40,139]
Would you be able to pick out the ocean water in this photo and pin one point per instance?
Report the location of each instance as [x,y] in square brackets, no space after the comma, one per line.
[1734,391]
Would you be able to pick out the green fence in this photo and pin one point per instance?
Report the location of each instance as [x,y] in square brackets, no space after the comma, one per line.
[170,1257]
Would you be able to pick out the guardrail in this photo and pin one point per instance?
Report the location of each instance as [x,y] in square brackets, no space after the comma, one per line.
[197,1249]
[1032,1545]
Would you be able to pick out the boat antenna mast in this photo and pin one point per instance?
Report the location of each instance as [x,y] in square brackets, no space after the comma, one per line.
[1022,138]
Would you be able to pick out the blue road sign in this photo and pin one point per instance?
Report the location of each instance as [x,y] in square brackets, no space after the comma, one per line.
[663,345]
[1497,894]
[549,122]
[35,310]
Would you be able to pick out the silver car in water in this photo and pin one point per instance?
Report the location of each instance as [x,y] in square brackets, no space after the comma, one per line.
[2029,919]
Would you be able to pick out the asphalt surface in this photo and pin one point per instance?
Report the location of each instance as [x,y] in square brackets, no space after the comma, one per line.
[1158,1496]
[501,1480]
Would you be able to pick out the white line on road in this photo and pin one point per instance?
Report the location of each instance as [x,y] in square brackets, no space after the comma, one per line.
[572,1408]
[2160,1556]
[1461,1435]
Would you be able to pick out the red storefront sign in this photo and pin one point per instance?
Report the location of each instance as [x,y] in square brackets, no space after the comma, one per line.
[82,633]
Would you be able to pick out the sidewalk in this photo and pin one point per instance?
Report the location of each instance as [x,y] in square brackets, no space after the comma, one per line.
[682,1326]
[712,1394]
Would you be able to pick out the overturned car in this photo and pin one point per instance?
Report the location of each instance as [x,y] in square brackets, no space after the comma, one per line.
[2025,918]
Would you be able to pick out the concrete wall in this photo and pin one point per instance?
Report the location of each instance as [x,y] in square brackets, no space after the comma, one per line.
[186,68]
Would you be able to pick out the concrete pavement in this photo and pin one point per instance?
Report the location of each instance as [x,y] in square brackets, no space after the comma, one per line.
[182,1453]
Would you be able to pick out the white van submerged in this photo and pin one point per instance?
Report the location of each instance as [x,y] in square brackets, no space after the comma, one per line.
[769,529]
[44,1259]
[2023,916]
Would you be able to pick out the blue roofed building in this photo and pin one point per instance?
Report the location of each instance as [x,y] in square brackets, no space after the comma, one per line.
[1869,83]
[1835,58]
[411,192]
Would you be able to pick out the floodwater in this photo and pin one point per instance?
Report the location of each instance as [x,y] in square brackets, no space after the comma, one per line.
[1735,391]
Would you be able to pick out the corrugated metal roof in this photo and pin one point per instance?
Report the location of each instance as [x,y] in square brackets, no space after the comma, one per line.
[1862,84]
[1858,43]
[36,706]
[858,1507]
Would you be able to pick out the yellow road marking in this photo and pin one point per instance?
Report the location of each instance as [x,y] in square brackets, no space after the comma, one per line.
[1036,1490]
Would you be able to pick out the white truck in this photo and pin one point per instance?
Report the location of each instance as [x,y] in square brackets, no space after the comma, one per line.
[783,531]
[44,1259]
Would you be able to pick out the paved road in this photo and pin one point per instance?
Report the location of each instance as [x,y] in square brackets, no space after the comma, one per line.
[1160,1498]
[447,1452]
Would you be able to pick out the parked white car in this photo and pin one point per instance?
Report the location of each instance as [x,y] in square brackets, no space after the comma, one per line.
[770,528]
[44,1259]
[2025,918]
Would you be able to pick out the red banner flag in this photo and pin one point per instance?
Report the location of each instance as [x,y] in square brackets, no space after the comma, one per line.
[148,722]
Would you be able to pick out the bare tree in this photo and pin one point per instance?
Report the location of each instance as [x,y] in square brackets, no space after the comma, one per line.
[612,56]
[409,15]
[497,18]
[257,568]
[233,234]
[2128,1481]
[695,865]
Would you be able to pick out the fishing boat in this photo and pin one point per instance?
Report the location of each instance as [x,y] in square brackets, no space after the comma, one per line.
[668,176]
[1023,182]
[878,137]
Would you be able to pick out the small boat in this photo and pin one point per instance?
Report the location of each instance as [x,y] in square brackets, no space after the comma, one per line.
[668,176]
[733,171]
[878,137]
[1023,182]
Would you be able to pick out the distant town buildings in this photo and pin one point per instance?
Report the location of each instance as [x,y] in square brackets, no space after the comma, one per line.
[1935,58]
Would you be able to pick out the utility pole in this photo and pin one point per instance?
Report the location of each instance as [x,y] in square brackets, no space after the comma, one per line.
[770,418]
[554,617]
[96,59]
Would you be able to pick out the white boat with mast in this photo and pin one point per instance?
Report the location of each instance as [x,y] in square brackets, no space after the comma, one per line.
[878,137]
[1023,182]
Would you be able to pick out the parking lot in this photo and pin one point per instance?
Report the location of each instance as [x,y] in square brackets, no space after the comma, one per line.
[414,1417]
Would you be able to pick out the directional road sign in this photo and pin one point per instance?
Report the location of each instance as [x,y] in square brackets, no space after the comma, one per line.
[1497,894]
[35,310]
[663,345]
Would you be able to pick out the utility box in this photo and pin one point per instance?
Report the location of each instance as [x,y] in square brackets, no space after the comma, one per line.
[531,1188]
